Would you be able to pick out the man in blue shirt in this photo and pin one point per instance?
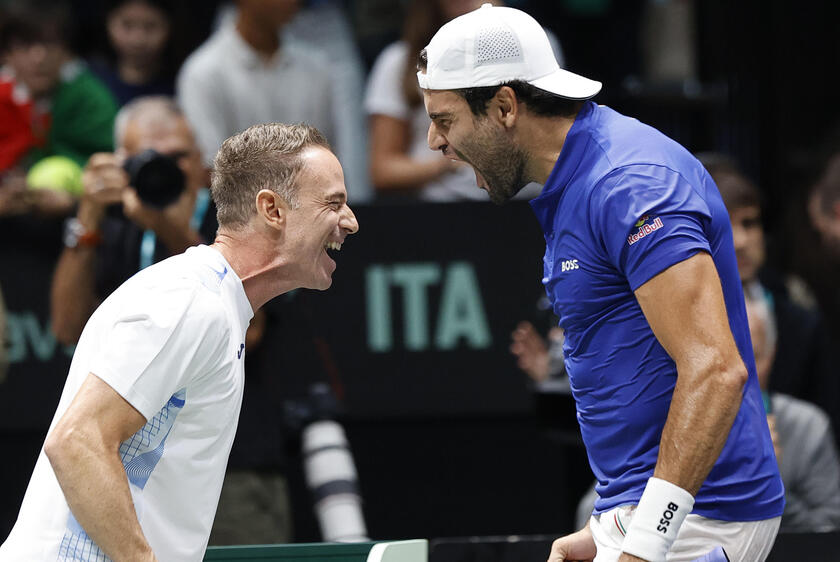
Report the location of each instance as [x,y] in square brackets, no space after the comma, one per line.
[641,271]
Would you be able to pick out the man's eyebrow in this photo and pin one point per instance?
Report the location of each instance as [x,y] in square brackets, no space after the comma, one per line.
[341,197]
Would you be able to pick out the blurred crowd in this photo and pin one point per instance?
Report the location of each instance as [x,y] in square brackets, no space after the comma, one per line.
[117,136]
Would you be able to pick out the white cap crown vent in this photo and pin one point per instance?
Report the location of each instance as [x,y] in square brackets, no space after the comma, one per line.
[495,45]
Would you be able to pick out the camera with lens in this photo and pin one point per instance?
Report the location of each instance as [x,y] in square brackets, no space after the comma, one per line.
[155,177]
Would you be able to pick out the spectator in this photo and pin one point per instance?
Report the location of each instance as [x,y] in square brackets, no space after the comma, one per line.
[400,160]
[139,62]
[115,233]
[324,26]
[803,365]
[824,205]
[247,72]
[802,437]
[50,106]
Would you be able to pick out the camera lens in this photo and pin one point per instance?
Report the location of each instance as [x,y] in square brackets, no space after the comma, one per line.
[157,178]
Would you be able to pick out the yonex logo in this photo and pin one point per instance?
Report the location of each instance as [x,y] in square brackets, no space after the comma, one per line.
[569,265]
[239,353]
[644,230]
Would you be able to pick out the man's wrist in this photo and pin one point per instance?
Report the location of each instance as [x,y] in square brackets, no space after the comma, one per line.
[76,235]
[657,520]
[90,215]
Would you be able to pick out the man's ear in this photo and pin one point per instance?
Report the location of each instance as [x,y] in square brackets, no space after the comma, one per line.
[505,106]
[271,209]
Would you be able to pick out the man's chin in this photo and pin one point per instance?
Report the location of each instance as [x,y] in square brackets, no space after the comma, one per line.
[500,197]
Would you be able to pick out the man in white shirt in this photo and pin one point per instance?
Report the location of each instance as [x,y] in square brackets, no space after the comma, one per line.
[257,68]
[135,456]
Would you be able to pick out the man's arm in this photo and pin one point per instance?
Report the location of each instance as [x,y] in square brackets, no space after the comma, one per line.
[685,308]
[73,295]
[83,450]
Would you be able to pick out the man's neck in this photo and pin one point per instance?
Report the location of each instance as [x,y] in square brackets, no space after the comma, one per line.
[265,40]
[137,73]
[263,275]
[544,140]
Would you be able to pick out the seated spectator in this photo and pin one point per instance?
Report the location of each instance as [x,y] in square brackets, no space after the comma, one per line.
[51,106]
[138,62]
[116,232]
[803,364]
[802,437]
[401,163]
[248,72]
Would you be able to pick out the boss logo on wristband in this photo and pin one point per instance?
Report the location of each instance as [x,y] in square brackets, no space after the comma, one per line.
[667,515]
[657,520]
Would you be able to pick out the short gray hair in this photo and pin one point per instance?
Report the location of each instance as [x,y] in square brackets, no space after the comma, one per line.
[160,107]
[264,156]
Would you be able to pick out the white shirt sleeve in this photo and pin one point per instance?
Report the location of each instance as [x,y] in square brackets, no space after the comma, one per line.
[160,342]
[384,95]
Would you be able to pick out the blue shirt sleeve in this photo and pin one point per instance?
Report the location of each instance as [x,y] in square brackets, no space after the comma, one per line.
[648,218]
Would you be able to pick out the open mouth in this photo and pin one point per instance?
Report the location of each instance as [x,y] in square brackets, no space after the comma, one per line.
[332,247]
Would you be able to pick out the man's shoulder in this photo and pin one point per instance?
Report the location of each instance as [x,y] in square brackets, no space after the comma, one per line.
[626,142]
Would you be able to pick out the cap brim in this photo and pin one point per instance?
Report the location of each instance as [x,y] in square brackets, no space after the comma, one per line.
[568,85]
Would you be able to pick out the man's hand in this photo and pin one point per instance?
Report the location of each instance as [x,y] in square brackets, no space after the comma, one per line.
[575,547]
[103,182]
[177,215]
[530,350]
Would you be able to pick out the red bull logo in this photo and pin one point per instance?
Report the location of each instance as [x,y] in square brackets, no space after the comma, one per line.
[644,230]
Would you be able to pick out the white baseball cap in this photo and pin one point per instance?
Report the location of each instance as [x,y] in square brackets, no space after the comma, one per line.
[493,45]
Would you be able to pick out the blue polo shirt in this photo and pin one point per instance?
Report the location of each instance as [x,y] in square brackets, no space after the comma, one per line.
[623,203]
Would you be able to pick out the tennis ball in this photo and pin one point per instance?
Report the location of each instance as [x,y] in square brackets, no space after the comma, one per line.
[58,173]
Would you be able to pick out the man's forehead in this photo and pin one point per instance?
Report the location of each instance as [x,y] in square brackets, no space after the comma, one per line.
[172,131]
[443,103]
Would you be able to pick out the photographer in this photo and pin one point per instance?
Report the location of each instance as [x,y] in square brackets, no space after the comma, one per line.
[138,206]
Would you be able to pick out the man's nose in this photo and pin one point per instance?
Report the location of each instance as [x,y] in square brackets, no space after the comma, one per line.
[435,139]
[348,221]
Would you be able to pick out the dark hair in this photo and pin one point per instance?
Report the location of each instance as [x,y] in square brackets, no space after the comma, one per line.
[736,189]
[164,6]
[24,22]
[539,101]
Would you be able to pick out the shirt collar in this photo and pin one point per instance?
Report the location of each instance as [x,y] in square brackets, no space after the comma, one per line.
[227,276]
[574,147]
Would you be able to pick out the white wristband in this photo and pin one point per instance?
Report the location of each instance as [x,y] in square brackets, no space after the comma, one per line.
[657,520]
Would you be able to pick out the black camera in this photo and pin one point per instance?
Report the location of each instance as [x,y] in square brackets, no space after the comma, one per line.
[156,177]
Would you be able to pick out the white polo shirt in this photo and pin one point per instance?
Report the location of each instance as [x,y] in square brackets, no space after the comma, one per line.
[171,342]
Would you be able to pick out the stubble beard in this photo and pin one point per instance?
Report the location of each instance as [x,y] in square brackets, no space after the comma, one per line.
[500,162]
